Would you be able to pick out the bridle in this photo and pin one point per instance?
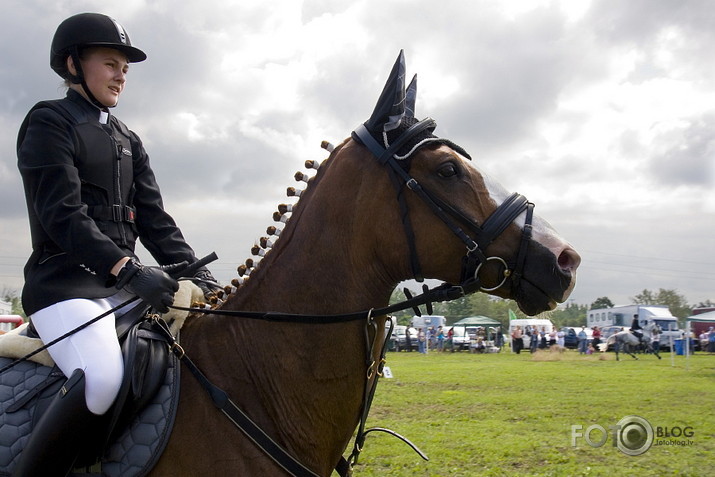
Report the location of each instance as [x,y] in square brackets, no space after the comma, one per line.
[481,236]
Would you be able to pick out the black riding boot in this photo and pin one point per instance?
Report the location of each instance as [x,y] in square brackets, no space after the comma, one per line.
[60,434]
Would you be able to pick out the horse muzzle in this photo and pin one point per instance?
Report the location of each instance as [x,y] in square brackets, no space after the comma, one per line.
[547,280]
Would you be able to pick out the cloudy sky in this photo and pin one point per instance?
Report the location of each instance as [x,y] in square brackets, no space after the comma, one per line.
[601,112]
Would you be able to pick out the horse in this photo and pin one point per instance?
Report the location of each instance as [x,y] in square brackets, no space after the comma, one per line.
[628,342]
[358,229]
[392,202]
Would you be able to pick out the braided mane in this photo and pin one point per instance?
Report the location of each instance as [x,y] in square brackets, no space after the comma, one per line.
[263,246]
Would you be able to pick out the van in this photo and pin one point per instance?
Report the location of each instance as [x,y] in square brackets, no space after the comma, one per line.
[533,323]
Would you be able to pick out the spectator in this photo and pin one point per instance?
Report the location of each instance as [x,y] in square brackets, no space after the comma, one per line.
[517,340]
[499,338]
[561,338]
[655,338]
[534,343]
[582,340]
[596,336]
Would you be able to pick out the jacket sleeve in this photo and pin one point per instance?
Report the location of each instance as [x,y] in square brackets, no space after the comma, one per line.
[53,190]
[158,231]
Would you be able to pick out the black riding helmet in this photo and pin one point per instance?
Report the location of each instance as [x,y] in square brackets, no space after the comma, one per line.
[86,30]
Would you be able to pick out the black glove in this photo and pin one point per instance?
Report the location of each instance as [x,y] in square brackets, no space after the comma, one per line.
[208,284]
[151,284]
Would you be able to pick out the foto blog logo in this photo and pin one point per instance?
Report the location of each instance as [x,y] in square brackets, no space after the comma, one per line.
[632,435]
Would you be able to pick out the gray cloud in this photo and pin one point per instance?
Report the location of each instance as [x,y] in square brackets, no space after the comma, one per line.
[207,104]
[686,156]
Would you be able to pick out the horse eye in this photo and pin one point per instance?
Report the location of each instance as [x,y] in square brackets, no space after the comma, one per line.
[448,170]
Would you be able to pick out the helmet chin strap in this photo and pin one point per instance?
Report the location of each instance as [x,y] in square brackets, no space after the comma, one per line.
[79,78]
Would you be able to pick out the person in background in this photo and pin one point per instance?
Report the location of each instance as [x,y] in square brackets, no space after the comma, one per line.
[582,340]
[517,340]
[90,193]
[535,340]
[450,339]
[421,341]
[636,327]
[596,335]
[561,338]
[655,338]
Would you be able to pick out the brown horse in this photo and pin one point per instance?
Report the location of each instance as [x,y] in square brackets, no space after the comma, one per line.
[344,249]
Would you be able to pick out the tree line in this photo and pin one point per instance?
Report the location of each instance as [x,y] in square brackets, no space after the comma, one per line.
[570,314]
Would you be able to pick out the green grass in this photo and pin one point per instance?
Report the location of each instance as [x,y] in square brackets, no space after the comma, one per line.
[499,414]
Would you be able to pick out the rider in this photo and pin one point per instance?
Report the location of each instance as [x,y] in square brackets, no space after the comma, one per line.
[91,194]
[636,327]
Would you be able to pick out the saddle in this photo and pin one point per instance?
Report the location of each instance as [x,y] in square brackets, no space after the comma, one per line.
[138,425]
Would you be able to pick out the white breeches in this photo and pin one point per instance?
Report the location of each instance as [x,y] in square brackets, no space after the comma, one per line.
[94,349]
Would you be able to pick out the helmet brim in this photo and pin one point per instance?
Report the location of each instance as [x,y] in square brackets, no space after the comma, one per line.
[134,55]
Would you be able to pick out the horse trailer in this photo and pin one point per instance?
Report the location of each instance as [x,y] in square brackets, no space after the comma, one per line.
[647,315]
[428,321]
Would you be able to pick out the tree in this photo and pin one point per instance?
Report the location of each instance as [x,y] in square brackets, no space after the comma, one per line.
[671,298]
[405,316]
[603,302]
[646,297]
[571,315]
[12,297]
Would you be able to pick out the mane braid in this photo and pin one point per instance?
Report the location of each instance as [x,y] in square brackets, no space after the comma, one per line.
[263,246]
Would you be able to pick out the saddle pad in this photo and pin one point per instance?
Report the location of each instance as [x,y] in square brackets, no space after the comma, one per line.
[132,454]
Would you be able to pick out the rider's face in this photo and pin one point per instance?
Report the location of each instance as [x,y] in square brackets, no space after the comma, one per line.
[105,71]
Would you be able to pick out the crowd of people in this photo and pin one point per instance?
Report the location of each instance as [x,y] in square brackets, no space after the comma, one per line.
[707,340]
[478,340]
[540,338]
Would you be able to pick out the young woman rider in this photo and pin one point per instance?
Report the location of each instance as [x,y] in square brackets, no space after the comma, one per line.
[91,193]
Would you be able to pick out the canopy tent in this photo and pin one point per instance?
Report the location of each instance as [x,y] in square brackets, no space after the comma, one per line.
[708,316]
[477,321]
[491,325]
[702,317]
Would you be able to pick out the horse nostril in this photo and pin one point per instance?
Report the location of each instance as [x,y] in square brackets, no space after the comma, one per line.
[569,260]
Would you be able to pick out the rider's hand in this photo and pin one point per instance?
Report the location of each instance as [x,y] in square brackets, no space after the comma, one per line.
[208,284]
[151,284]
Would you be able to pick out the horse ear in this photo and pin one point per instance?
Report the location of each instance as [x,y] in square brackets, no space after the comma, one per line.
[411,97]
[390,108]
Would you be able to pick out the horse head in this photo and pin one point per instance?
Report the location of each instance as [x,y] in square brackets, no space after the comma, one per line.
[486,238]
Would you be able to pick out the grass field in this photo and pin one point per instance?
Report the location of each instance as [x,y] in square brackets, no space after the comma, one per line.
[504,414]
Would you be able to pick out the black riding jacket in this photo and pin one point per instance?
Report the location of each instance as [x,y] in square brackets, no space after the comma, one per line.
[90,194]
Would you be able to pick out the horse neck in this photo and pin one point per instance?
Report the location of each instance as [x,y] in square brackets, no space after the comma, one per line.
[331,257]
[323,263]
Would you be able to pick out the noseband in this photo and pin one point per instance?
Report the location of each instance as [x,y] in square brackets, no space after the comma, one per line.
[481,236]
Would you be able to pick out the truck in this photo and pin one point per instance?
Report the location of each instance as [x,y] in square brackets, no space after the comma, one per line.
[647,315]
